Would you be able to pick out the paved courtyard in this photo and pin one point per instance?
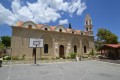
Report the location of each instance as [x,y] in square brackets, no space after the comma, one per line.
[82,70]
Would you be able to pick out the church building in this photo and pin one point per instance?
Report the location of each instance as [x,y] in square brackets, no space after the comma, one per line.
[58,41]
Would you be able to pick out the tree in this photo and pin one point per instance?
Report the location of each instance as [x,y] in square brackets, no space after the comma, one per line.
[70,27]
[1,46]
[106,36]
[6,41]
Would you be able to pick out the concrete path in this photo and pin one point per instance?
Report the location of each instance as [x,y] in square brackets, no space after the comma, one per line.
[82,70]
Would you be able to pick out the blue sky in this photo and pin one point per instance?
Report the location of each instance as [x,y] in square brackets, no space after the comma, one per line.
[104,14]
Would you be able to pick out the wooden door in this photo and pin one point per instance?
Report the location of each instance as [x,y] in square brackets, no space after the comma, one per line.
[61,51]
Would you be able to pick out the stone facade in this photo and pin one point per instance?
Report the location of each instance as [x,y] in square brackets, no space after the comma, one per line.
[60,41]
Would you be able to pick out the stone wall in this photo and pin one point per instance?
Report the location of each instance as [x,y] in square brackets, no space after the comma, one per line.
[21,36]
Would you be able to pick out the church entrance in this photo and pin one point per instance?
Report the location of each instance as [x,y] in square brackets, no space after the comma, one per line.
[61,51]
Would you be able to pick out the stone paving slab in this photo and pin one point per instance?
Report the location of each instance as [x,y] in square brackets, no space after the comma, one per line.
[82,70]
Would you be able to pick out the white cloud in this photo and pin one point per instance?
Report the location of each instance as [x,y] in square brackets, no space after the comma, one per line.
[42,11]
[22,13]
[65,21]
[81,8]
[6,16]
[71,7]
[77,6]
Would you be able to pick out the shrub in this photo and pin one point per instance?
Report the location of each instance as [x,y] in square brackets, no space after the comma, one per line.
[6,58]
[15,57]
[92,53]
[67,57]
[85,56]
[23,56]
[57,58]
[73,55]
[1,46]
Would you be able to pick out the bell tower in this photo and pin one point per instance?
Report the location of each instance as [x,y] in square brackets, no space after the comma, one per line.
[88,25]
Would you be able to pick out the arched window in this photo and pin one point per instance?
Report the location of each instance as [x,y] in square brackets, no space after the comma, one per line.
[81,33]
[46,48]
[60,30]
[72,32]
[90,28]
[30,26]
[75,49]
[90,22]
[46,29]
[85,50]
[87,28]
[86,22]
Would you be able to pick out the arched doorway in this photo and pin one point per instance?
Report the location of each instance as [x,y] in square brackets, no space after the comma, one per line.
[75,49]
[85,44]
[61,51]
[75,45]
[85,51]
[46,48]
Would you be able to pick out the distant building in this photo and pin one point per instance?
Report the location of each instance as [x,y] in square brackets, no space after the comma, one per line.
[111,51]
[58,40]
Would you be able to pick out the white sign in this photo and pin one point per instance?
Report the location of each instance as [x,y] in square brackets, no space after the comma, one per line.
[34,42]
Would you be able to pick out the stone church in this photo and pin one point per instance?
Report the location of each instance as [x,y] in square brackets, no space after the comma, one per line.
[59,41]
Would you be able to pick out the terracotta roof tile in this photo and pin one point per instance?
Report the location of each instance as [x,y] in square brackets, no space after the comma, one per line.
[39,25]
[52,27]
[68,29]
[19,23]
[113,45]
[78,31]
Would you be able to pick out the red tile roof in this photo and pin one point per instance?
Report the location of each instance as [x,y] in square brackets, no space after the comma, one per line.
[78,31]
[68,29]
[20,23]
[39,25]
[113,45]
[52,28]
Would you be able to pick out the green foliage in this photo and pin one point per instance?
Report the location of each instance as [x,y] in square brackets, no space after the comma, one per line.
[23,56]
[1,46]
[57,58]
[85,56]
[92,53]
[106,36]
[15,57]
[6,41]
[6,58]
[73,55]
[67,57]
